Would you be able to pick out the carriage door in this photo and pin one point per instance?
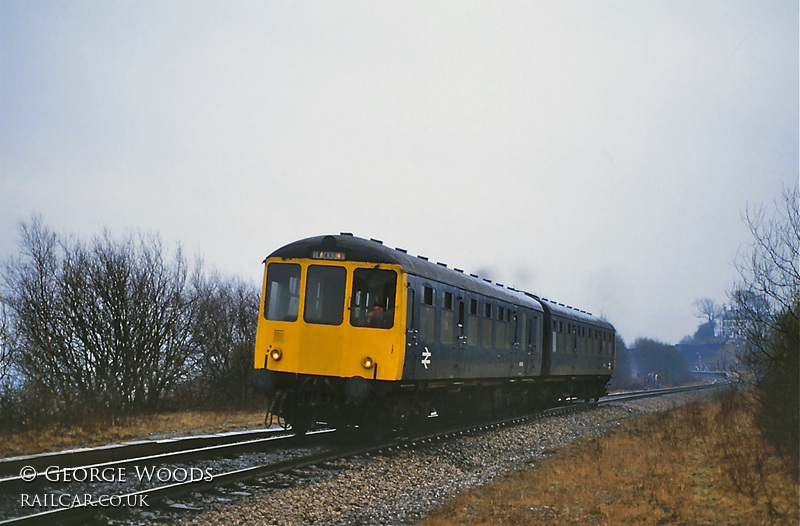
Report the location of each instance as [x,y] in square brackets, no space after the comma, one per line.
[462,330]
[524,329]
[412,335]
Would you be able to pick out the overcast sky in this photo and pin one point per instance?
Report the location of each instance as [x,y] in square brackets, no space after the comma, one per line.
[599,153]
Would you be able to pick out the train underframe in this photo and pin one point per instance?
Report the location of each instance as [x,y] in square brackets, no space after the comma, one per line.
[382,407]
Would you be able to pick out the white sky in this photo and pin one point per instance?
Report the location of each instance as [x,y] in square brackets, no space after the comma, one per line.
[595,152]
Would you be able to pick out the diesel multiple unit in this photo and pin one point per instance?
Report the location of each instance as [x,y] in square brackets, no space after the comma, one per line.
[353,333]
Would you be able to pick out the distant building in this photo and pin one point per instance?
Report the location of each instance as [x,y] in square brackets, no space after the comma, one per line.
[729,324]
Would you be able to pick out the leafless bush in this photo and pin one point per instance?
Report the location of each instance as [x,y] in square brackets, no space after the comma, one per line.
[223,340]
[100,330]
[767,304]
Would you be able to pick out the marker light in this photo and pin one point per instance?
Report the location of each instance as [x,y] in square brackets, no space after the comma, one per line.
[367,362]
[275,354]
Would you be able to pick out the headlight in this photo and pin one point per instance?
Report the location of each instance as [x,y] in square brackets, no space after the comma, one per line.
[367,362]
[275,354]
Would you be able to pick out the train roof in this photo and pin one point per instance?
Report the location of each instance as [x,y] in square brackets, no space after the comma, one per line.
[347,247]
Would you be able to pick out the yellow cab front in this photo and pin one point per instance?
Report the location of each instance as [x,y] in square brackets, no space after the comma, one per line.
[332,318]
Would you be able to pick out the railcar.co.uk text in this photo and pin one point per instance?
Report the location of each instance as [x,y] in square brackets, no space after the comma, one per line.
[107,475]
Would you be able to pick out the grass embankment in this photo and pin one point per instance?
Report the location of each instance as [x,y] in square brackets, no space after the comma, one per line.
[176,424]
[698,464]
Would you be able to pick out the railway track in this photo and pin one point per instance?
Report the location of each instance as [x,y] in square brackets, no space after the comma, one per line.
[191,452]
[10,467]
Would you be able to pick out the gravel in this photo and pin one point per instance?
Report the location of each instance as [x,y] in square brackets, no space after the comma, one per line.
[406,486]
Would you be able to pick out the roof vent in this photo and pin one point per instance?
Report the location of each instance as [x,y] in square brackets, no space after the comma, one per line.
[423,258]
[458,270]
[474,275]
[441,264]
[346,234]
[378,241]
[404,251]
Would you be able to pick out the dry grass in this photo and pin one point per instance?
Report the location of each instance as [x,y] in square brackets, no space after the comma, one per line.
[699,464]
[181,423]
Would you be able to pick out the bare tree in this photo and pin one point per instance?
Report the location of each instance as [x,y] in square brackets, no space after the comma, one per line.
[769,288]
[102,328]
[766,302]
[32,298]
[5,344]
[223,338]
[707,309]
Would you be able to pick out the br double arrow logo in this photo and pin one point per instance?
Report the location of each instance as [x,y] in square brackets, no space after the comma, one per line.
[426,361]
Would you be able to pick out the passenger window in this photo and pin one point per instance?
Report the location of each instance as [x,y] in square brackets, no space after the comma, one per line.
[282,297]
[325,295]
[448,300]
[428,296]
[372,301]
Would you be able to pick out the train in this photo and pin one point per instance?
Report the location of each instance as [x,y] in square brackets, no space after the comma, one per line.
[355,334]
